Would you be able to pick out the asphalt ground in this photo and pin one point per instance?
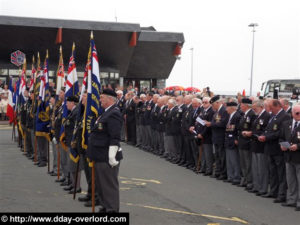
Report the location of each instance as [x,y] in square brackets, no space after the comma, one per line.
[152,190]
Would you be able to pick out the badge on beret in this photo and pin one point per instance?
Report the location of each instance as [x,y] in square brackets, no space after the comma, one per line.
[100,126]
[275,127]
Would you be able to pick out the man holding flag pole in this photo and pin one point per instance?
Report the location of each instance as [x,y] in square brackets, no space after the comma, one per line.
[104,138]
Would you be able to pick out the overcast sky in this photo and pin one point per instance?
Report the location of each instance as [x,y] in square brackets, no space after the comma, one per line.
[216,29]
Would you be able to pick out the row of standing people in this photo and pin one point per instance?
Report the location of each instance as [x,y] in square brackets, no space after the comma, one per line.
[234,141]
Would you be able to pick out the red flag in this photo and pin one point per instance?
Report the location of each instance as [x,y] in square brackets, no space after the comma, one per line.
[244,93]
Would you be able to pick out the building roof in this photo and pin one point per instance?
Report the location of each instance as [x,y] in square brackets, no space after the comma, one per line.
[152,57]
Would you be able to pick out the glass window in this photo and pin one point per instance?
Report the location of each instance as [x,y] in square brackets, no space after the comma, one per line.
[104,75]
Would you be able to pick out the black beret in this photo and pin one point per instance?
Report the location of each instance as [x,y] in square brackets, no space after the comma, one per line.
[214,99]
[72,99]
[231,104]
[246,101]
[110,92]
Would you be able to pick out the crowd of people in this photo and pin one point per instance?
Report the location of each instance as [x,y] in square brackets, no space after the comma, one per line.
[252,142]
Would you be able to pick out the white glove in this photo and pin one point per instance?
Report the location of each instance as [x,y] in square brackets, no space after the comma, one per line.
[54,141]
[112,152]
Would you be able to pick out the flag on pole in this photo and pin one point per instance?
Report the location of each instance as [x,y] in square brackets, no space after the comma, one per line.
[92,109]
[43,117]
[72,89]
[10,106]
[32,76]
[22,84]
[60,80]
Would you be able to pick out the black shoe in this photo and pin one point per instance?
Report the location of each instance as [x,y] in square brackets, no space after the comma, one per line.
[36,163]
[207,174]
[241,185]
[252,191]
[279,200]
[268,195]
[61,180]
[65,183]
[68,188]
[50,172]
[260,193]
[288,204]
[102,210]
[72,191]
[54,174]
[227,181]
[42,165]
[84,198]
[89,203]
[235,183]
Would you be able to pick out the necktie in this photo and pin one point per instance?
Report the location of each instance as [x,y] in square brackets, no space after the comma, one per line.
[295,125]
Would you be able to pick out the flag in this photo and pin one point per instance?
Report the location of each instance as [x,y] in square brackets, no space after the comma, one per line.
[22,87]
[72,89]
[16,94]
[10,106]
[92,109]
[32,76]
[43,108]
[60,76]
[83,87]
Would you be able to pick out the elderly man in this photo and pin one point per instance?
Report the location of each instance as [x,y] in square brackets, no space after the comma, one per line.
[290,133]
[218,126]
[275,155]
[104,149]
[244,143]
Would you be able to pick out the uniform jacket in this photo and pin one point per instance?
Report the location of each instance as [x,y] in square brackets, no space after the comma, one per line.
[218,125]
[293,137]
[258,127]
[231,132]
[154,117]
[69,125]
[272,133]
[149,107]
[204,130]
[246,125]
[187,121]
[130,112]
[105,132]
[58,122]
[162,116]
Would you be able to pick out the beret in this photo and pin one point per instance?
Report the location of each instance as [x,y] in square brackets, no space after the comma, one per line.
[246,101]
[110,92]
[214,99]
[231,104]
[72,99]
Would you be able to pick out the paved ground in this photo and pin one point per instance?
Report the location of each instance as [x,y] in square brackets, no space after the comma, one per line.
[153,191]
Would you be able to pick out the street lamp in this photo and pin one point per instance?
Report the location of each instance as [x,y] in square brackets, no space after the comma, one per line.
[192,59]
[253,25]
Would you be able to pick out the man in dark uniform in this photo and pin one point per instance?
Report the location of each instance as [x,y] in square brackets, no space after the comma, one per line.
[204,134]
[218,126]
[181,110]
[161,126]
[29,123]
[23,115]
[290,133]
[259,166]
[244,143]
[142,121]
[149,106]
[275,155]
[69,125]
[286,106]
[154,123]
[172,131]
[121,104]
[104,149]
[130,119]
[138,119]
[231,143]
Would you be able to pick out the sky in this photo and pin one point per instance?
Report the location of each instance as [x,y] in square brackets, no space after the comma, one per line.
[217,30]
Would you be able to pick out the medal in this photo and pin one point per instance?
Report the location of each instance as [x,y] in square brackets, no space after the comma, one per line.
[100,127]
[275,127]
[257,127]
[261,122]
[248,119]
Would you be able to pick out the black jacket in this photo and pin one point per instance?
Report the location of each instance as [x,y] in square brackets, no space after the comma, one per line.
[246,125]
[218,125]
[162,116]
[147,113]
[187,121]
[204,130]
[258,127]
[231,132]
[105,132]
[130,112]
[272,133]
[69,125]
[293,137]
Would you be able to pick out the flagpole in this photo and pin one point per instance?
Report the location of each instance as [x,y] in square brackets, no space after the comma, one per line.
[35,103]
[73,87]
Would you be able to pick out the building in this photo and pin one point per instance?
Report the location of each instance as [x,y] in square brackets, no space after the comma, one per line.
[128,53]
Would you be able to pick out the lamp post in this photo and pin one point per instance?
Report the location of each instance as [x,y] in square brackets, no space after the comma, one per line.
[192,61]
[253,25]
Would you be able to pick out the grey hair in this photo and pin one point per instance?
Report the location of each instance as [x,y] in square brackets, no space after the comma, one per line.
[259,103]
[233,100]
[206,99]
[197,99]
[172,101]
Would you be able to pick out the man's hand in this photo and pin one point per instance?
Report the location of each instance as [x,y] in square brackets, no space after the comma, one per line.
[293,147]
[262,138]
[112,152]
[208,124]
[199,136]
[247,133]
[192,129]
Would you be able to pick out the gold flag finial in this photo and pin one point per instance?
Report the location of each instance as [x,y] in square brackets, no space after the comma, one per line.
[92,35]
[33,60]
[73,47]
[60,49]
[47,54]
